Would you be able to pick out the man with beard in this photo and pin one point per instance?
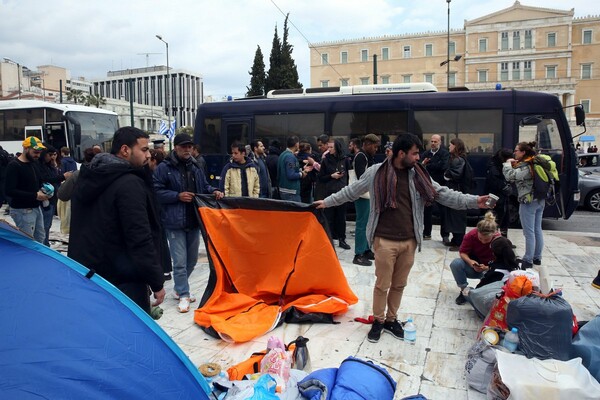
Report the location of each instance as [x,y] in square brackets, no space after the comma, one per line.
[399,189]
[23,183]
[259,157]
[115,226]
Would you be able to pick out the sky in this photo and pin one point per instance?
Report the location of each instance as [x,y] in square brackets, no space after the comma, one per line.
[217,38]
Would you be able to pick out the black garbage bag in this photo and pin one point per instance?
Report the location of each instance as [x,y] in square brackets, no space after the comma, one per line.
[545,325]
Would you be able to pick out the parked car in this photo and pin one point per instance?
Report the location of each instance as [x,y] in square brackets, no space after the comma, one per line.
[589,187]
[589,162]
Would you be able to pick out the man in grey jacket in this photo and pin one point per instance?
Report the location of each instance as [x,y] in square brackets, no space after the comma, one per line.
[399,188]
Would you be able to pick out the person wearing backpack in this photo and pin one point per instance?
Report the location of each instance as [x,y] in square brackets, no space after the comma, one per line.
[458,176]
[519,170]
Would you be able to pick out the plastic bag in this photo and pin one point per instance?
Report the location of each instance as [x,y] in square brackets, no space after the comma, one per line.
[481,359]
[586,345]
[530,378]
[278,363]
[264,389]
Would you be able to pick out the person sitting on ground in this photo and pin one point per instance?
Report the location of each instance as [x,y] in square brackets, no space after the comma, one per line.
[504,262]
[475,254]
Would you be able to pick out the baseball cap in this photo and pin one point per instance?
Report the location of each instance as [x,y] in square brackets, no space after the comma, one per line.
[183,139]
[34,143]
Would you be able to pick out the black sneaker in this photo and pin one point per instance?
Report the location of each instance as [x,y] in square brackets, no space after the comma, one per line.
[596,281]
[537,261]
[369,255]
[360,259]
[394,328]
[461,299]
[375,332]
[446,241]
[526,264]
[167,276]
[426,237]
[344,245]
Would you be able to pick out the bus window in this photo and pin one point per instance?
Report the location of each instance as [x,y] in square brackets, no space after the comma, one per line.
[210,141]
[545,133]
[236,132]
[481,130]
[306,126]
[386,123]
[16,120]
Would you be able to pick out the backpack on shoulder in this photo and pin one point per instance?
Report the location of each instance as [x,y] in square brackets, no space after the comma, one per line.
[545,177]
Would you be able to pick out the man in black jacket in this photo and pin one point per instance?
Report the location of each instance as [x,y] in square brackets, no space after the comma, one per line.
[114,221]
[435,161]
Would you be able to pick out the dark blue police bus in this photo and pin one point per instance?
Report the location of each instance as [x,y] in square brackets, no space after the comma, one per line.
[485,120]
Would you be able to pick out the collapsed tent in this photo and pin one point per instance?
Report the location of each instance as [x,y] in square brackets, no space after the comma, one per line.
[67,333]
[270,261]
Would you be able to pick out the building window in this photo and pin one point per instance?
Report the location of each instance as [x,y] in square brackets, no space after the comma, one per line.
[551,71]
[452,79]
[586,71]
[552,39]
[516,40]
[587,37]
[586,105]
[428,50]
[504,41]
[364,55]
[406,78]
[364,81]
[527,70]
[528,39]
[385,53]
[504,71]
[428,78]
[385,80]
[344,57]
[344,82]
[452,47]
[516,71]
[482,75]
[406,51]
[482,45]
[324,59]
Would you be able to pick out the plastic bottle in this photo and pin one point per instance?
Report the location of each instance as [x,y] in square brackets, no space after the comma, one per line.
[511,340]
[48,190]
[301,355]
[410,331]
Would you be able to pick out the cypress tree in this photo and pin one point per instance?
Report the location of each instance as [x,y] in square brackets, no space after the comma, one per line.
[257,75]
[289,71]
[274,78]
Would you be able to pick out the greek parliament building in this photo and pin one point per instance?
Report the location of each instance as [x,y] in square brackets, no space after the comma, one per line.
[519,47]
[150,89]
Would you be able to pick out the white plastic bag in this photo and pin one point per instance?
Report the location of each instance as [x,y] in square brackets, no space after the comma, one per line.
[530,378]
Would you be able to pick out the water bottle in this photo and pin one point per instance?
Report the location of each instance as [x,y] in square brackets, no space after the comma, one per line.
[410,331]
[48,190]
[511,340]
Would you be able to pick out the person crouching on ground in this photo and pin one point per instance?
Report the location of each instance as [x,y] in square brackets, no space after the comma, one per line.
[475,255]
[399,189]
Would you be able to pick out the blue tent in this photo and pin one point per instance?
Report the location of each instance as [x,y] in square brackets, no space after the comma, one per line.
[69,334]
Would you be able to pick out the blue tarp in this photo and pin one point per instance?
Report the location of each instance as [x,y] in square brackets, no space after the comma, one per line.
[64,336]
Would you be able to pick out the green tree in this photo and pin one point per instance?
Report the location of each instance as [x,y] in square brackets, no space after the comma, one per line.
[257,75]
[185,129]
[274,79]
[76,96]
[289,71]
[95,100]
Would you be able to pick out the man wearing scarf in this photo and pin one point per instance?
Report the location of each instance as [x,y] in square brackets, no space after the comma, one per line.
[399,188]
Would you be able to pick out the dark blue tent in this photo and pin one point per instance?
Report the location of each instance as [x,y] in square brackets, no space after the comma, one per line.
[65,335]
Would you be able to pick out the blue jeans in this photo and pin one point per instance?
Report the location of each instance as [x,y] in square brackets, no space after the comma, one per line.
[184,246]
[531,221]
[30,221]
[291,197]
[362,217]
[461,271]
[48,214]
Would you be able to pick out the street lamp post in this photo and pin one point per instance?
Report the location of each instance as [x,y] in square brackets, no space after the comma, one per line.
[448,52]
[167,86]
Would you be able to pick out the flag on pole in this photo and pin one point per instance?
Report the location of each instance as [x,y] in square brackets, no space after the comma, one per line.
[171,132]
[163,129]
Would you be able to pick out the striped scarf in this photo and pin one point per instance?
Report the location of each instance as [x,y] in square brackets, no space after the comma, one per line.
[386,181]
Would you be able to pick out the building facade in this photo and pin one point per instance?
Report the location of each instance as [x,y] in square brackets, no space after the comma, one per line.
[520,47]
[150,88]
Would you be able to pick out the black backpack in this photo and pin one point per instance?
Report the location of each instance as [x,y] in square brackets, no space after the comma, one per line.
[468,178]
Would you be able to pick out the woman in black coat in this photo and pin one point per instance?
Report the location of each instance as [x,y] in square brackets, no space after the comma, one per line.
[334,175]
[456,220]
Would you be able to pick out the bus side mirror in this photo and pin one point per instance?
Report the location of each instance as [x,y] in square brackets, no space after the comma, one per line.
[579,115]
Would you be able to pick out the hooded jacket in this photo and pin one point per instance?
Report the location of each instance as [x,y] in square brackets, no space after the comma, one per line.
[115,228]
[235,175]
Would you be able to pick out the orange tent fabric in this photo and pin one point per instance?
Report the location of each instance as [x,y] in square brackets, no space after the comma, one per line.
[267,258]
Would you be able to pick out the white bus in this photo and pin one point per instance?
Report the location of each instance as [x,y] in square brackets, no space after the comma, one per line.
[75,126]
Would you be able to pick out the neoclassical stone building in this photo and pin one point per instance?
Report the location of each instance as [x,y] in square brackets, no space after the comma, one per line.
[519,47]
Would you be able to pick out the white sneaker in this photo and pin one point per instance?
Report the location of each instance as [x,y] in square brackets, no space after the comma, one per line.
[184,305]
[192,298]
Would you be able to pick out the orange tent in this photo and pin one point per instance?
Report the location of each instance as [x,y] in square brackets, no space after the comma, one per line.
[270,261]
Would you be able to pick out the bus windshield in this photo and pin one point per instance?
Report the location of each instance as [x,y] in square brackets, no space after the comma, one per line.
[96,128]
